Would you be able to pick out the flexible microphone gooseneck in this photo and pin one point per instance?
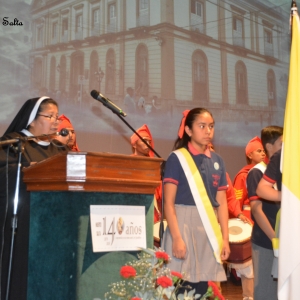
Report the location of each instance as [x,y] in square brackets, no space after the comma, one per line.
[108,103]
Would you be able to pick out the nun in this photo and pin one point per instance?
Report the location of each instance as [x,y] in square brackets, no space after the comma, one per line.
[36,123]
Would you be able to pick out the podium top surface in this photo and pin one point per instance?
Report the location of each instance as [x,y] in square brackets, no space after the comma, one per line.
[95,171]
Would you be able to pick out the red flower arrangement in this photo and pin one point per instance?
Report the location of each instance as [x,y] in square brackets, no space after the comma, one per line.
[127,271]
[215,290]
[164,281]
[162,256]
[153,279]
[176,274]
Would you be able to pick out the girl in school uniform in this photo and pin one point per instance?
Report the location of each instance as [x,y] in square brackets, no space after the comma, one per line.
[195,204]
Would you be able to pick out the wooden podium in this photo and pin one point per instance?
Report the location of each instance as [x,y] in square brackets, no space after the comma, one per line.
[62,264]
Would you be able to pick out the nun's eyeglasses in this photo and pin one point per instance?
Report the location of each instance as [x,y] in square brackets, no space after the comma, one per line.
[55,118]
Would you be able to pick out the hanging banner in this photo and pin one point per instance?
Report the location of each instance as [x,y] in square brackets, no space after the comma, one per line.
[118,228]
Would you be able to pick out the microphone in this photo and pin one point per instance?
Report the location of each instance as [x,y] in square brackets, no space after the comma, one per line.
[11,142]
[63,132]
[108,103]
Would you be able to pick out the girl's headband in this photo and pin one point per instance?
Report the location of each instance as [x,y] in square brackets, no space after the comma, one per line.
[182,125]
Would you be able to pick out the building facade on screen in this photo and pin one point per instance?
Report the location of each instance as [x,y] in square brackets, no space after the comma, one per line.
[217,54]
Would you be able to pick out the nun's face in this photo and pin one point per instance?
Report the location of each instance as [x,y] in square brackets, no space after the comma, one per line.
[46,121]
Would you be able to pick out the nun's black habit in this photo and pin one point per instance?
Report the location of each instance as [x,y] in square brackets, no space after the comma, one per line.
[33,152]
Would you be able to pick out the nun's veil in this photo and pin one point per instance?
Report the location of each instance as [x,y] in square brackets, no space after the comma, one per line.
[25,115]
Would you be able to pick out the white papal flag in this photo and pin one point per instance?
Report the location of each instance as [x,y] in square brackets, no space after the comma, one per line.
[289,243]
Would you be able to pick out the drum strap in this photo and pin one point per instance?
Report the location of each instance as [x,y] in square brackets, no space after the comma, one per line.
[261,166]
[203,204]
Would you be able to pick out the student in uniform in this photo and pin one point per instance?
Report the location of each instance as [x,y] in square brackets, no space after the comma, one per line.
[264,217]
[195,200]
[255,153]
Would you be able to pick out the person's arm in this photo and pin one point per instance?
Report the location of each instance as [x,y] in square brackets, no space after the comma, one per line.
[242,217]
[234,207]
[178,246]
[265,190]
[259,216]
[158,195]
[239,187]
[222,211]
[261,219]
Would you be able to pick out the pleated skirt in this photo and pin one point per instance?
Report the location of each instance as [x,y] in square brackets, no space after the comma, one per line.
[199,263]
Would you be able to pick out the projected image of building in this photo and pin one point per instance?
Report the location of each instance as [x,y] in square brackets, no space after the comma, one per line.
[229,56]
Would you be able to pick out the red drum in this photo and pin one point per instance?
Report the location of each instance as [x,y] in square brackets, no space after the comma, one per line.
[239,241]
[156,233]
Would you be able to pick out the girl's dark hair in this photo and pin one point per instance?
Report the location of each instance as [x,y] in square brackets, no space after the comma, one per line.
[270,134]
[190,119]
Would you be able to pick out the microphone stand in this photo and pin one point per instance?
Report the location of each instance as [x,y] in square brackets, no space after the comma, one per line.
[137,134]
[14,221]
[118,113]
[161,225]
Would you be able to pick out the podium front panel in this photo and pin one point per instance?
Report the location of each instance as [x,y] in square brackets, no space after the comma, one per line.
[62,264]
